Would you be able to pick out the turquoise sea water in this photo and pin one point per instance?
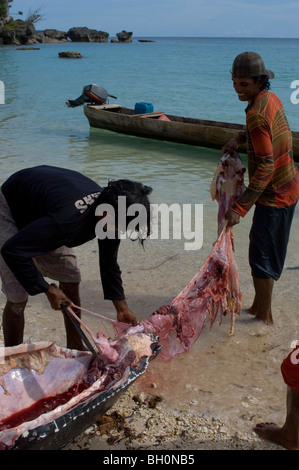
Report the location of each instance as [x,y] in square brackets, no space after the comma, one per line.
[183,76]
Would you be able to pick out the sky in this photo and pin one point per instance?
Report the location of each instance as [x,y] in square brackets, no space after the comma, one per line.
[172,18]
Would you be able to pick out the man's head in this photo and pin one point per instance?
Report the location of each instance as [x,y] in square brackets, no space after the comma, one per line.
[250,75]
[130,206]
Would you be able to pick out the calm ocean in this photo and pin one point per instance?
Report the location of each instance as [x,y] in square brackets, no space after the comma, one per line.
[184,76]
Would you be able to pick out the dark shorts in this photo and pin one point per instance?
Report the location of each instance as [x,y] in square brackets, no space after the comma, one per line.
[269,236]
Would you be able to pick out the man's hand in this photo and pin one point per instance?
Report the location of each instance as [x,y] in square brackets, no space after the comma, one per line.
[124,314]
[231,147]
[56,297]
[232,218]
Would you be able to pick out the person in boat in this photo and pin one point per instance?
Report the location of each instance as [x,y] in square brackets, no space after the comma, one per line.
[273,178]
[45,212]
[287,435]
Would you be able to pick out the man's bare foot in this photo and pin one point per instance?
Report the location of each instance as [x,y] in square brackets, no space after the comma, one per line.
[251,310]
[274,433]
[266,319]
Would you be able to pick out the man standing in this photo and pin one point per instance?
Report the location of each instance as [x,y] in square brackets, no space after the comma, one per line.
[273,178]
[45,211]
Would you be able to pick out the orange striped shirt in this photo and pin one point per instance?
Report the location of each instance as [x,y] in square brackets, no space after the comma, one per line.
[273,176]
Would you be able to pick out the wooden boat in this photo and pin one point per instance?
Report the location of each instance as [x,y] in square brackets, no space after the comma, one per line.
[161,126]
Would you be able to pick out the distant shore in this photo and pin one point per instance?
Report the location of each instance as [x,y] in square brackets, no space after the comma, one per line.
[21,33]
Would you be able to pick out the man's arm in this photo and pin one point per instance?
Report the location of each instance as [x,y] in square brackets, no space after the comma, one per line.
[112,281]
[263,150]
[36,239]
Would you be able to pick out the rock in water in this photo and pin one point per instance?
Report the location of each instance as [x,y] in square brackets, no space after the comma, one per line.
[87,35]
[122,37]
[70,55]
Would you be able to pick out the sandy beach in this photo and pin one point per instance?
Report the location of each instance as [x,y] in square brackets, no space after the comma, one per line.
[209,398]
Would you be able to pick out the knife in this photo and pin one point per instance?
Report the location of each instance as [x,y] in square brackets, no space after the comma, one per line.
[86,341]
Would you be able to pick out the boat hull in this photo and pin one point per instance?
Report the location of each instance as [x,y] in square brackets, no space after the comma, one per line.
[58,433]
[189,131]
[40,372]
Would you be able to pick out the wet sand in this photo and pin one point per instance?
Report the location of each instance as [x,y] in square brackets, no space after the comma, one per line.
[210,397]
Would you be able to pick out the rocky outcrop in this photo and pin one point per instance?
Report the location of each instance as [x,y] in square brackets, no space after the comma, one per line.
[123,37]
[87,35]
[20,33]
[70,55]
[28,48]
[53,35]
[48,36]
[17,33]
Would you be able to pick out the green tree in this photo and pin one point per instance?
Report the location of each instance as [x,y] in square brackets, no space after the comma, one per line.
[4,9]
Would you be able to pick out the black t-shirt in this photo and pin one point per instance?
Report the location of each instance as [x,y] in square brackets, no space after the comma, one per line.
[54,207]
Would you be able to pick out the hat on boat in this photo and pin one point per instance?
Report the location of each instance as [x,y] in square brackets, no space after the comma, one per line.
[248,65]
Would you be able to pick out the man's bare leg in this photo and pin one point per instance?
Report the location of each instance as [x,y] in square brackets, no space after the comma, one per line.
[261,307]
[13,323]
[287,435]
[73,339]
[263,292]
